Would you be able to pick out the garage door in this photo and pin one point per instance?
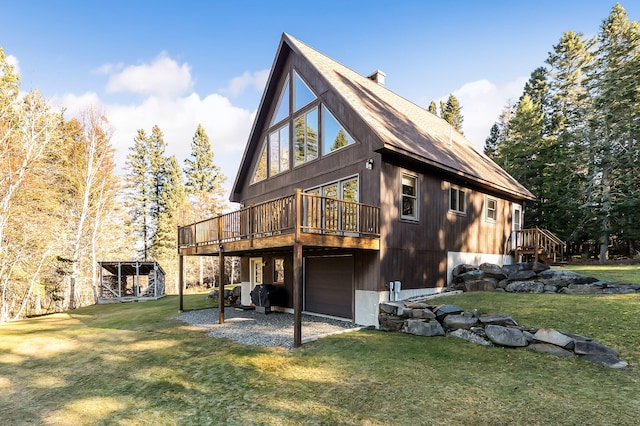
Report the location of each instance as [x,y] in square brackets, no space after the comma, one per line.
[329,285]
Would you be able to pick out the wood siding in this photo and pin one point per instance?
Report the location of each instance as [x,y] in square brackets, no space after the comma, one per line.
[415,252]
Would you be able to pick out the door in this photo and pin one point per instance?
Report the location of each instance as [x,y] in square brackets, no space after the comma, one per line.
[516,224]
[329,285]
[255,271]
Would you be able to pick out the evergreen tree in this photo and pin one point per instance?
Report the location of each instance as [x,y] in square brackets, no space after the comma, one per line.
[172,201]
[613,87]
[139,183]
[491,143]
[432,108]
[204,179]
[452,113]
[340,141]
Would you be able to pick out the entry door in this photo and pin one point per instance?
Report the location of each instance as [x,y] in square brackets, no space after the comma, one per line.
[255,271]
[516,224]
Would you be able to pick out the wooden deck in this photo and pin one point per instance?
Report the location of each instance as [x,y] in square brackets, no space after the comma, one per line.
[310,220]
[541,245]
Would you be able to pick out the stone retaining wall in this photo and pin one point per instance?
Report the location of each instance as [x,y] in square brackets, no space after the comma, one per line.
[422,319]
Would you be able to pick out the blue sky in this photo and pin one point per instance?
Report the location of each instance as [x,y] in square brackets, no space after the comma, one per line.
[177,64]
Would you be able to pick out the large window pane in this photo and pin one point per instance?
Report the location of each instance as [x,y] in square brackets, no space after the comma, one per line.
[282,110]
[300,138]
[334,135]
[304,95]
[284,148]
[306,137]
[274,153]
[312,135]
[260,173]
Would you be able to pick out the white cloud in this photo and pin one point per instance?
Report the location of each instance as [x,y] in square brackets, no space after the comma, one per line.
[482,102]
[13,61]
[163,77]
[237,85]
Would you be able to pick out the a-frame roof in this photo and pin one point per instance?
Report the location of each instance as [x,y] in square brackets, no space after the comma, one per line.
[402,127]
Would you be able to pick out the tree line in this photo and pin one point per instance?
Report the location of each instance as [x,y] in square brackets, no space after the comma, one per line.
[573,139]
[64,207]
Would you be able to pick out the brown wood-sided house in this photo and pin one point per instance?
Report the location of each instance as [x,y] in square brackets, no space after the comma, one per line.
[346,187]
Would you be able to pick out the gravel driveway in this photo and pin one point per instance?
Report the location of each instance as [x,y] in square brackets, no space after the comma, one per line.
[253,328]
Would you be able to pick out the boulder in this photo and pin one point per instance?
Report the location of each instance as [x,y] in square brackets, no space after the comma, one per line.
[537,267]
[470,336]
[390,322]
[548,288]
[469,276]
[610,361]
[525,287]
[423,314]
[465,321]
[387,308]
[581,289]
[497,319]
[548,348]
[506,336]
[549,335]
[618,290]
[510,269]
[591,347]
[416,305]
[444,310]
[461,269]
[493,271]
[522,275]
[423,328]
[485,284]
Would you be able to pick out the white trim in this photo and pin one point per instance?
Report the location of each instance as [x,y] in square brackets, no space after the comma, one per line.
[488,219]
[416,214]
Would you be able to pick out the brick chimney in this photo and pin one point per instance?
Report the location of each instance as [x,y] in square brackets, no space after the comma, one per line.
[377,76]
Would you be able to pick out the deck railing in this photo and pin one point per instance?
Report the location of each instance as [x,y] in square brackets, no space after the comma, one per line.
[320,215]
[539,241]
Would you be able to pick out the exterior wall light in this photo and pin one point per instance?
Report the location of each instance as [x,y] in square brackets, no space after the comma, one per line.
[369,164]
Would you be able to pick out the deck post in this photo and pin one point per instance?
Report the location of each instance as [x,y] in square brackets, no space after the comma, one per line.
[221,286]
[180,281]
[221,273]
[297,272]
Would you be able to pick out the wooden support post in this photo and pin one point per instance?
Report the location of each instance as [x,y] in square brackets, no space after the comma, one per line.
[297,273]
[221,287]
[180,281]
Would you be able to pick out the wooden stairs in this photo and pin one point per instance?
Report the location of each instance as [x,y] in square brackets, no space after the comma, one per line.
[539,245]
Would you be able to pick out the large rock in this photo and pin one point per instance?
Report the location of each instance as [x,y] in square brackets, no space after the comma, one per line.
[390,322]
[423,328]
[444,310]
[515,267]
[549,335]
[423,314]
[522,275]
[618,290]
[465,321]
[485,284]
[581,289]
[610,361]
[497,319]
[470,336]
[493,271]
[548,348]
[461,269]
[525,287]
[591,347]
[469,276]
[506,336]
[537,267]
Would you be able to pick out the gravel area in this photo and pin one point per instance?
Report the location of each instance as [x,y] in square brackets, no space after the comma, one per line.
[253,328]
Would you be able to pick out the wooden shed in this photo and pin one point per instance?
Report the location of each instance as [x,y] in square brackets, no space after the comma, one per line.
[130,281]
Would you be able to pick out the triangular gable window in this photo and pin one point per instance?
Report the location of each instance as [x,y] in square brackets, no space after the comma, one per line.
[260,173]
[282,109]
[304,95]
[334,135]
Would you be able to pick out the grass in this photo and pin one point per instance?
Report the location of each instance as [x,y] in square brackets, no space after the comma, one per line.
[134,364]
[623,273]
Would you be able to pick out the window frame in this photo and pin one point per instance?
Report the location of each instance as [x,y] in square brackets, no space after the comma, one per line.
[277,270]
[456,209]
[415,217]
[487,201]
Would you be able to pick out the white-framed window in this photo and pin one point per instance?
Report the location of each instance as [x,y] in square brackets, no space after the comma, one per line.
[409,200]
[457,200]
[491,209]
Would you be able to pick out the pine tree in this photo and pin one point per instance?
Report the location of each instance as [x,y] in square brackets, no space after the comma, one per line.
[204,179]
[432,108]
[140,191]
[452,113]
[491,143]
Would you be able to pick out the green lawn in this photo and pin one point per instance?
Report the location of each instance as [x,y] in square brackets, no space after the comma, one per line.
[624,273]
[133,364]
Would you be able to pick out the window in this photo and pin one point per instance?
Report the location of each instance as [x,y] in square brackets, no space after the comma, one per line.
[260,173]
[409,197]
[306,137]
[491,209]
[457,201]
[334,136]
[282,110]
[304,95]
[279,150]
[278,271]
[330,214]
